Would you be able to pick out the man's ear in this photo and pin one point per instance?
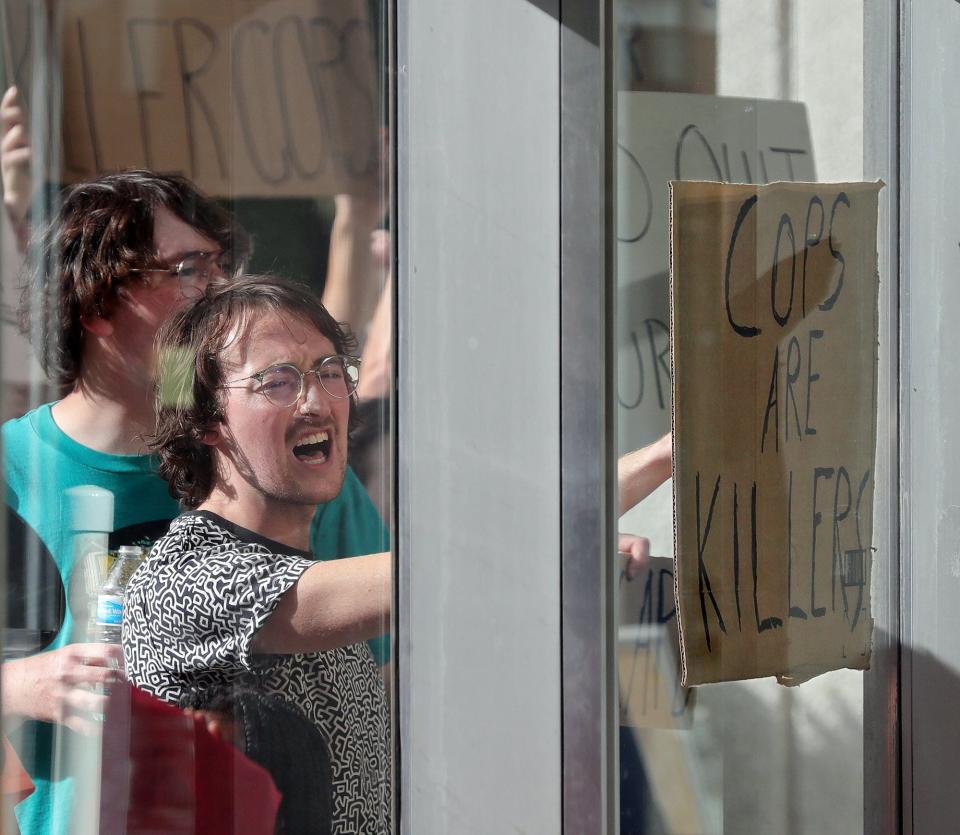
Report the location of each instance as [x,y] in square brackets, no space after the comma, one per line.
[96,325]
[212,434]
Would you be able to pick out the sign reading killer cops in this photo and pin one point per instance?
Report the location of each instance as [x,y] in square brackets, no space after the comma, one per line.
[774,312]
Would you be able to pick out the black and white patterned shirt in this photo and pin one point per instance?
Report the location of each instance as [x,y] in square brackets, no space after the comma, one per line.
[190,615]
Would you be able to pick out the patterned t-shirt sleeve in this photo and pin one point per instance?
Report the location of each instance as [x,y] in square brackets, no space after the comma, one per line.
[204,612]
[260,580]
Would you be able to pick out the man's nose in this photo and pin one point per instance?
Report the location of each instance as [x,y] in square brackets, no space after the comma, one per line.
[315,400]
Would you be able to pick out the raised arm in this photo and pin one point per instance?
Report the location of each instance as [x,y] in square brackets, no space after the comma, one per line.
[352,285]
[641,472]
[333,604]
[15,153]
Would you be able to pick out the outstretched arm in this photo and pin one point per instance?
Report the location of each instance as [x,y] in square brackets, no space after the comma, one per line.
[333,604]
[343,601]
[641,472]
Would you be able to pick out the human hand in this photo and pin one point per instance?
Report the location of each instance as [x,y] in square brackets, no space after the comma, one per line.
[15,154]
[219,724]
[637,551]
[57,686]
[380,249]
[361,212]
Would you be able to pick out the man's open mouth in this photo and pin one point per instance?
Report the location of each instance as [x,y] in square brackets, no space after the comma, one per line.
[313,449]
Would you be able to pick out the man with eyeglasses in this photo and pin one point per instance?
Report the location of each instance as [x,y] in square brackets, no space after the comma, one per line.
[256,387]
[125,251]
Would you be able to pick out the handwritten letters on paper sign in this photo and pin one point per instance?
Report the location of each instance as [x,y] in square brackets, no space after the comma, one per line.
[774,312]
[647,664]
[680,136]
[246,97]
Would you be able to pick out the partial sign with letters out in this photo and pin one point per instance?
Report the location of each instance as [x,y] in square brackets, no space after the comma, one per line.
[648,665]
[774,336]
[245,97]
[678,136]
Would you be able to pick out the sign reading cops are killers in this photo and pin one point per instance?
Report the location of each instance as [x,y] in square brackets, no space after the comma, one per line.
[774,337]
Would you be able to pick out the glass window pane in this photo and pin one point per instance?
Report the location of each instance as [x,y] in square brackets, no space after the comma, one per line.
[737,92]
[197,562]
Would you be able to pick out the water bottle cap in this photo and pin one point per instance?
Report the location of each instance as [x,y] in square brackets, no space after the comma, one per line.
[130,551]
[90,508]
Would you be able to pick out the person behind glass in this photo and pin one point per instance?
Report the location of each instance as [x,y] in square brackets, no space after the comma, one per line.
[171,771]
[124,252]
[277,736]
[256,395]
[642,471]
[639,473]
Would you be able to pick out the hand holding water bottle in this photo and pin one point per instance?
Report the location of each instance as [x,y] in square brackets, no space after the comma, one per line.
[58,686]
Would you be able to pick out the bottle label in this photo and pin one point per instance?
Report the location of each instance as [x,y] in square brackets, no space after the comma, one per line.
[109,610]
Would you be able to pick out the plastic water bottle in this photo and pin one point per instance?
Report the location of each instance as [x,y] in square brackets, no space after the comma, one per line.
[112,593]
[91,521]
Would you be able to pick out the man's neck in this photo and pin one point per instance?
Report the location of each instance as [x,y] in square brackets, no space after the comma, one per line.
[106,422]
[288,524]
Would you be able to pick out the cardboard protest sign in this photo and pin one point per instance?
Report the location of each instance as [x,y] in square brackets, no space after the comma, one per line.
[774,315]
[648,652]
[245,97]
[676,136]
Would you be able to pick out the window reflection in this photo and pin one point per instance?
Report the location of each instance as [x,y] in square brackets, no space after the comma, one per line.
[255,136]
[717,91]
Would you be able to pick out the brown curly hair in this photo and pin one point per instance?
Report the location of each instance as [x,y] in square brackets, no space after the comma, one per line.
[190,378]
[100,240]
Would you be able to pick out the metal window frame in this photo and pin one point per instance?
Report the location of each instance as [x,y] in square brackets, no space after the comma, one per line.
[586,688]
[929,402]
[587,456]
[477,184]
[883,689]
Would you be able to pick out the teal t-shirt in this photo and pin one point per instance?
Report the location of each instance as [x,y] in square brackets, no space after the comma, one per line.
[41,463]
[350,526]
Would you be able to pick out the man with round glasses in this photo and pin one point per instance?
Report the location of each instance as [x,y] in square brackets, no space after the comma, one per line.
[282,384]
[192,272]
[255,401]
[125,251]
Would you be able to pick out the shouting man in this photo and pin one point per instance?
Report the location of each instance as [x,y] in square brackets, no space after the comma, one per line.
[124,252]
[255,398]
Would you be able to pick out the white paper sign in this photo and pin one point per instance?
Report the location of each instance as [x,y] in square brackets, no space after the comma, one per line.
[671,136]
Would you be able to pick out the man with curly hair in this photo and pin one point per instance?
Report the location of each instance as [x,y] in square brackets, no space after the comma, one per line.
[256,390]
[125,251]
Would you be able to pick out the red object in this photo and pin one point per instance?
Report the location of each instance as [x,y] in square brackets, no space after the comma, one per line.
[16,782]
[163,771]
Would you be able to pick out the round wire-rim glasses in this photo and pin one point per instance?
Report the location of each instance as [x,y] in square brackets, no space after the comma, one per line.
[283,384]
[195,270]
